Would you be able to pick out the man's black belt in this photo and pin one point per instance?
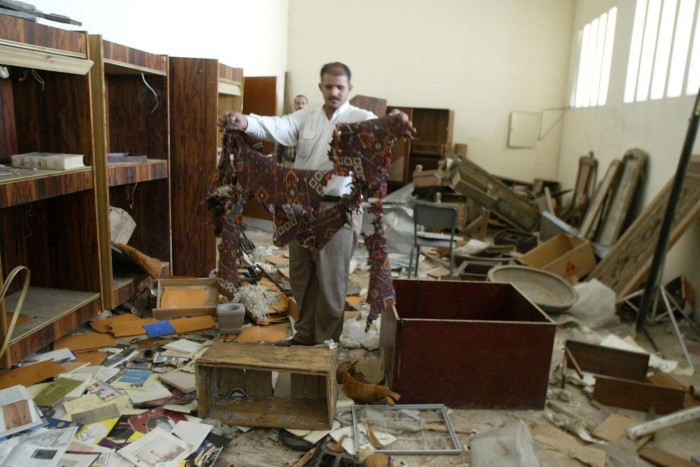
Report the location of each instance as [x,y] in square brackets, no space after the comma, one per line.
[330,199]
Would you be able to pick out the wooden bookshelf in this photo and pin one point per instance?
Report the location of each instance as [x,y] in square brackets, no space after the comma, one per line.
[48,218]
[200,91]
[131,115]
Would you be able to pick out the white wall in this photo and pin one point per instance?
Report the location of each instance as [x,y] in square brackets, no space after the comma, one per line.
[658,127]
[243,34]
[482,59]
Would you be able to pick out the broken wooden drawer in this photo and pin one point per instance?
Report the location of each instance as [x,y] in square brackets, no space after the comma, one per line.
[473,344]
[236,385]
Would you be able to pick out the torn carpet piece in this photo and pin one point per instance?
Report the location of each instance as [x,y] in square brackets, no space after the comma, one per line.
[361,150]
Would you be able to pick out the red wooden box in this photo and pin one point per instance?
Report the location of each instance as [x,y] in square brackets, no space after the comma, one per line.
[473,344]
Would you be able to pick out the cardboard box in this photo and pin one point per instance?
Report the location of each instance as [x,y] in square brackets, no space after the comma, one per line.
[178,298]
[565,255]
[121,225]
[473,344]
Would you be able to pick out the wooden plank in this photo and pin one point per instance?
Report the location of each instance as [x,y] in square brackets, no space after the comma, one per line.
[475,183]
[42,36]
[129,56]
[633,168]
[623,269]
[194,141]
[258,383]
[585,181]
[122,174]
[38,185]
[603,193]
[307,360]
[310,414]
[664,458]
[637,395]
[608,361]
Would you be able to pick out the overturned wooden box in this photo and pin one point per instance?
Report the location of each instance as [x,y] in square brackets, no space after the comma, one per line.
[622,379]
[235,385]
[473,344]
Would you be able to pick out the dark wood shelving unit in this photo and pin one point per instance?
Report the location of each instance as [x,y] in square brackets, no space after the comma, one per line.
[200,91]
[431,143]
[131,115]
[48,218]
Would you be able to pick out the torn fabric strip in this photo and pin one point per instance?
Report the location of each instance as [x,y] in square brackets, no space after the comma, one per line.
[361,150]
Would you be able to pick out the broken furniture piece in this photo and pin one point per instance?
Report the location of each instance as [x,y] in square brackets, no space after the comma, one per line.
[475,183]
[227,369]
[621,378]
[419,429]
[473,344]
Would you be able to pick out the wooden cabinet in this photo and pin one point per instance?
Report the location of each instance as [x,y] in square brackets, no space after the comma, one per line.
[200,91]
[47,218]
[431,143]
[131,115]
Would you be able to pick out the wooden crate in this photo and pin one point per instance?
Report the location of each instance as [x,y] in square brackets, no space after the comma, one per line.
[473,344]
[227,366]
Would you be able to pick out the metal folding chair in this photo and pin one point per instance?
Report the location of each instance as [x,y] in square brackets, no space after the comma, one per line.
[433,215]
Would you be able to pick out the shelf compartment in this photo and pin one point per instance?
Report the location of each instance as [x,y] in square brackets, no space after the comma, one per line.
[52,313]
[127,173]
[128,281]
[36,185]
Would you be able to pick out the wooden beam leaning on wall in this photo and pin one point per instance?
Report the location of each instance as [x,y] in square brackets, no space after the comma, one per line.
[623,269]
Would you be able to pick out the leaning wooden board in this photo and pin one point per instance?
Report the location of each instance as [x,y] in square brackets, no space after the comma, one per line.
[626,266]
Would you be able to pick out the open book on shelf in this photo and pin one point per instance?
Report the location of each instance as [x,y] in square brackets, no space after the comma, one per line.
[48,161]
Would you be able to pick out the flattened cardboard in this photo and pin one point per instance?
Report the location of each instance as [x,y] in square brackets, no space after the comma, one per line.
[32,374]
[193,324]
[183,297]
[93,358]
[105,325]
[132,327]
[613,427]
[85,341]
[262,334]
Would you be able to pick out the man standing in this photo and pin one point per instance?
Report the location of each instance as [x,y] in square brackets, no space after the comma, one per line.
[287,154]
[319,279]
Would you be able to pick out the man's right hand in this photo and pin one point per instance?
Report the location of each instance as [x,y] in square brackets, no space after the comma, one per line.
[236,119]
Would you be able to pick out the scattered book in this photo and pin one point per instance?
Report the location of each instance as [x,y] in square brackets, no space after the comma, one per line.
[48,161]
[17,411]
[56,391]
[125,157]
[181,380]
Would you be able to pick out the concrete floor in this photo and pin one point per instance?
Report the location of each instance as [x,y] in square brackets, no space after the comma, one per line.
[261,446]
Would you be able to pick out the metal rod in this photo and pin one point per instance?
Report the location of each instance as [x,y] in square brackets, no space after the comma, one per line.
[637,431]
[651,287]
[675,328]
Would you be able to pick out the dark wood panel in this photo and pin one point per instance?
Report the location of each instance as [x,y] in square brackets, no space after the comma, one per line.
[147,203]
[29,32]
[194,142]
[8,132]
[260,98]
[608,361]
[128,55]
[44,186]
[122,174]
[637,395]
[138,120]
[229,73]
[374,104]
[55,117]
[62,243]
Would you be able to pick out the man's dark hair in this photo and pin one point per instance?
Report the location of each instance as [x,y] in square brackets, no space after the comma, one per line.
[336,69]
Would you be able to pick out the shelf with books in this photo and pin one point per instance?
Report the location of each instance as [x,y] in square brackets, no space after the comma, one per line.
[47,217]
[131,117]
[200,91]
